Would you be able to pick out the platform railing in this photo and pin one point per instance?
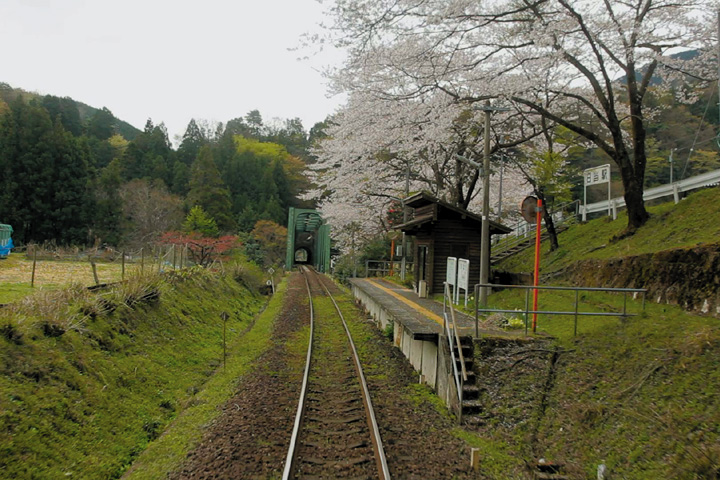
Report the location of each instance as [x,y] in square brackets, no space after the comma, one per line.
[452,334]
[373,268]
[576,313]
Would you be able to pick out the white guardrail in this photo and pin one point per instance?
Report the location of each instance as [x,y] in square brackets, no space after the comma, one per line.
[675,188]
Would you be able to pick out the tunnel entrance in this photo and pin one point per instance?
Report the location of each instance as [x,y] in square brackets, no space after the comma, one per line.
[302,256]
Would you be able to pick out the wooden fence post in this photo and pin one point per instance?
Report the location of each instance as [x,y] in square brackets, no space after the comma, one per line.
[224,316]
[94,270]
[32,279]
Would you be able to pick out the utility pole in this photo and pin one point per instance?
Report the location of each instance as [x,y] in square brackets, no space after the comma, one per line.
[485,230]
[403,264]
[499,214]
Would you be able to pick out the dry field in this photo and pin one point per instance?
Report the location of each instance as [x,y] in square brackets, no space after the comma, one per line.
[16,274]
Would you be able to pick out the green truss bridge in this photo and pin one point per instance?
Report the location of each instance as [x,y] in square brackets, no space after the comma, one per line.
[308,240]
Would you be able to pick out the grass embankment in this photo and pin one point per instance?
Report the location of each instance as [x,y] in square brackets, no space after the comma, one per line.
[89,380]
[168,452]
[691,222]
[639,395]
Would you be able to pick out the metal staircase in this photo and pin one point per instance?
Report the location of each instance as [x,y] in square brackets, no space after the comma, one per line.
[523,233]
[462,356]
[514,245]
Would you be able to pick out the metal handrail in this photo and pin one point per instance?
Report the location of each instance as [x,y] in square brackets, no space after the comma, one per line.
[515,239]
[575,312]
[384,266]
[684,185]
[453,333]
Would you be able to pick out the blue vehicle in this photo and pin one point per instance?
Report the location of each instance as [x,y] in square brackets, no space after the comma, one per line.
[6,243]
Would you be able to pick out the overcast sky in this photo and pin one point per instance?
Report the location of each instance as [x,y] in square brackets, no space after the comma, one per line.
[169,60]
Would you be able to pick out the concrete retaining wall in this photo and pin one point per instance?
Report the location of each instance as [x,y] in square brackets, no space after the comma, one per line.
[424,355]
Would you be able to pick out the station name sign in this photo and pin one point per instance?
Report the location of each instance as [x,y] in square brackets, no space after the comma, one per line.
[597,175]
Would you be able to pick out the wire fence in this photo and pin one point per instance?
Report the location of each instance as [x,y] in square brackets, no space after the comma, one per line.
[575,312]
[48,265]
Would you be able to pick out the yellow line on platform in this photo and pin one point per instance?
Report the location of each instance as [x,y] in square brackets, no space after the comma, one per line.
[431,315]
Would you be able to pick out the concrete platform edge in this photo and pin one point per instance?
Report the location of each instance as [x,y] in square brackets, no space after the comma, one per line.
[430,360]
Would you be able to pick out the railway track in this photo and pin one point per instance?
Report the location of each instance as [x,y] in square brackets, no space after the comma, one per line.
[335,434]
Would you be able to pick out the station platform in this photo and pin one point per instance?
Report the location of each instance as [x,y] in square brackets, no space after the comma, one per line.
[418,331]
[421,318]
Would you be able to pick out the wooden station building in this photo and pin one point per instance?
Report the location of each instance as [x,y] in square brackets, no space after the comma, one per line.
[442,230]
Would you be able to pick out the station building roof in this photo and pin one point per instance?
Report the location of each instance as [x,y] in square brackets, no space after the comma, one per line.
[428,209]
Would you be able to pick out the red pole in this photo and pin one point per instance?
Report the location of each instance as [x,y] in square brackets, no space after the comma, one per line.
[537,263]
[392,256]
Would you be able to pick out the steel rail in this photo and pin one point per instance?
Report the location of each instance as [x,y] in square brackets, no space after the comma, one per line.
[290,461]
[383,471]
[380,459]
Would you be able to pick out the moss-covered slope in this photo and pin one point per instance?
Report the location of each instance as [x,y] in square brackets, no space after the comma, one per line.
[89,379]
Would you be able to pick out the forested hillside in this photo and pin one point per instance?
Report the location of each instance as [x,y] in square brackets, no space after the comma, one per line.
[76,175]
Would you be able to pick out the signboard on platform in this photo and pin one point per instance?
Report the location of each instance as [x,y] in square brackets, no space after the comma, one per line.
[451,275]
[463,281]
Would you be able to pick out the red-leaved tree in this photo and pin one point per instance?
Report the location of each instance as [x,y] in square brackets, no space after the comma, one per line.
[203,250]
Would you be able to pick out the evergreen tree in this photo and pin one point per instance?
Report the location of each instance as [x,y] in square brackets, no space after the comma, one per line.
[273,211]
[150,156]
[108,204]
[180,178]
[247,218]
[45,177]
[237,126]
[293,137]
[193,140]
[72,201]
[254,123]
[102,124]
[66,109]
[208,190]
[198,221]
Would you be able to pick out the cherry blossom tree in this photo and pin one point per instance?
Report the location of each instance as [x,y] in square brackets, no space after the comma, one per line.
[377,150]
[586,65]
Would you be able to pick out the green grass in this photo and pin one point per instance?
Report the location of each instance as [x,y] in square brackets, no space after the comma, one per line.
[684,225]
[496,459]
[638,394]
[12,292]
[167,453]
[90,380]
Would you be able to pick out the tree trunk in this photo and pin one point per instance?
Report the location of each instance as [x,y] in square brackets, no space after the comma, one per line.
[549,224]
[552,233]
[637,215]
[632,179]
